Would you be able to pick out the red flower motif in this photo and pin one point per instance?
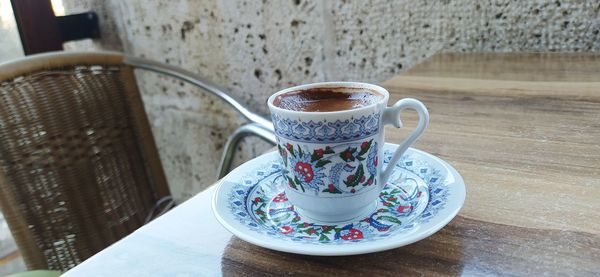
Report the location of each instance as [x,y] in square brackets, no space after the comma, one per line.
[311,231]
[376,161]
[370,182]
[353,190]
[353,234]
[280,198]
[305,169]
[331,188]
[348,154]
[286,230]
[391,198]
[257,200]
[350,178]
[402,208]
[419,194]
[319,153]
[364,145]
[362,179]
[305,224]
[387,203]
[289,147]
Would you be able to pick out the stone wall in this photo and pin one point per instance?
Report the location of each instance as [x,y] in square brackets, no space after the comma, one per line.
[256,47]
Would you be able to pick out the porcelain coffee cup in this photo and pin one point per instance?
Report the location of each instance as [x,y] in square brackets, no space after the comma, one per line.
[332,161]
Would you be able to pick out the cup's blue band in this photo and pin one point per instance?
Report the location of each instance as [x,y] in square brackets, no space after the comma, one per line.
[327,131]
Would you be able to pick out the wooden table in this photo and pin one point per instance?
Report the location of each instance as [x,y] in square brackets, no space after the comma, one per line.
[522,129]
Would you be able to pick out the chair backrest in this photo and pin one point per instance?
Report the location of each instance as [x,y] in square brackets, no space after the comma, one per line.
[78,165]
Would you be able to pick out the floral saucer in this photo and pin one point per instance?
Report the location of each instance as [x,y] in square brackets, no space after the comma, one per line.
[422,196]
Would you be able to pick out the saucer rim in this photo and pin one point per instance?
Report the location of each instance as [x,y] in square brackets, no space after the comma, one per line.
[344,249]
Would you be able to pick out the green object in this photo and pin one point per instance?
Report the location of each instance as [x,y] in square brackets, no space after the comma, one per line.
[37,273]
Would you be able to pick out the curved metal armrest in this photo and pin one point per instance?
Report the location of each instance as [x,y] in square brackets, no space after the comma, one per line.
[250,129]
[199,81]
[257,126]
[161,207]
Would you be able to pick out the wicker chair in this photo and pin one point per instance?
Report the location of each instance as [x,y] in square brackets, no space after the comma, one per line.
[79,168]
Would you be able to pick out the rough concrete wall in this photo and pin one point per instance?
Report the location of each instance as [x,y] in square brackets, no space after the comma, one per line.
[256,47]
[533,25]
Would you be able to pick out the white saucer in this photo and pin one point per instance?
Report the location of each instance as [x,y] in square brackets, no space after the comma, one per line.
[424,194]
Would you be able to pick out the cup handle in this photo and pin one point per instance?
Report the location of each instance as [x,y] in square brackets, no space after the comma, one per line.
[391,115]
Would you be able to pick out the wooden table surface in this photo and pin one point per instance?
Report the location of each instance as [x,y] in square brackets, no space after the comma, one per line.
[522,129]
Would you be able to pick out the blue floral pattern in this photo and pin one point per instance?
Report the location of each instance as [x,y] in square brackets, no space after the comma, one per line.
[337,170]
[327,132]
[417,194]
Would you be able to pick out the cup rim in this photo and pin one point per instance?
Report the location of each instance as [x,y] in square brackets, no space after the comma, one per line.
[376,88]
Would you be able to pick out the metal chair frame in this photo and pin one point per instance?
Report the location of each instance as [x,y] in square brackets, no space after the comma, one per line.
[256,126]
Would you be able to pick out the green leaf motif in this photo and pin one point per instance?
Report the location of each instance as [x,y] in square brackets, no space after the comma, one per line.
[280,218]
[348,154]
[366,149]
[390,219]
[291,182]
[372,179]
[290,149]
[322,163]
[335,190]
[360,172]
[314,157]
[307,231]
[260,212]
[323,238]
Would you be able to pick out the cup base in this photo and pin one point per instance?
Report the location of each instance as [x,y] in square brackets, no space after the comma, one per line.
[325,219]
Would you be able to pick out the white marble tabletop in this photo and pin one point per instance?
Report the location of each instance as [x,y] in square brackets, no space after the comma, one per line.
[176,244]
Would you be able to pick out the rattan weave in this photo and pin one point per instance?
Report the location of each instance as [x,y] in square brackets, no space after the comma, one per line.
[78,166]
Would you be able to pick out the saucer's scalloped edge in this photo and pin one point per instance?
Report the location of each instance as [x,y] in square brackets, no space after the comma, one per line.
[449,211]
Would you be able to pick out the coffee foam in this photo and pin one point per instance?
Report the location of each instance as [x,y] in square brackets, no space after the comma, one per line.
[328,99]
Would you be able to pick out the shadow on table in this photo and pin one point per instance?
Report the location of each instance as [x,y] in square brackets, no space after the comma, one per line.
[441,253]
[464,247]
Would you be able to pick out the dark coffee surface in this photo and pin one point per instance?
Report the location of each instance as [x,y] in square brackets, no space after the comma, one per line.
[326,99]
